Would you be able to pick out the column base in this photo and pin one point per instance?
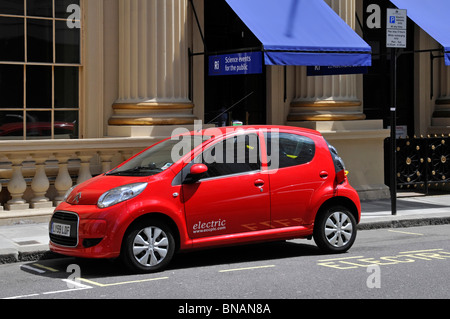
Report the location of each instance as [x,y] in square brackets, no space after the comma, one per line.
[17,206]
[373,192]
[152,113]
[158,132]
[440,122]
[324,110]
[46,204]
[154,119]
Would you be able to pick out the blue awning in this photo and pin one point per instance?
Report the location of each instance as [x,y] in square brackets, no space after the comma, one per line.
[302,32]
[432,16]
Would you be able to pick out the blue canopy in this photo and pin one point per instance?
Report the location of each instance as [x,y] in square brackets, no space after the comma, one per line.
[302,32]
[432,16]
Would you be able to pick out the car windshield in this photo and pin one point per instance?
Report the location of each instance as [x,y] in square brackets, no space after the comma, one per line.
[160,156]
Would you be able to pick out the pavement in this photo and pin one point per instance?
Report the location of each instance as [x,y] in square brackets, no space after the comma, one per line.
[24,234]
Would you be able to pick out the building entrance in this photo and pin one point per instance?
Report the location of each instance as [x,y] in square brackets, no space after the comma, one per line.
[237,98]
[377,82]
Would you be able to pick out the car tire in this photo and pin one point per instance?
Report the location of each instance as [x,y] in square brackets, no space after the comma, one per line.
[335,229]
[148,247]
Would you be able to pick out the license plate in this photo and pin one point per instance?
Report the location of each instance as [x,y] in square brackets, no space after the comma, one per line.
[61,229]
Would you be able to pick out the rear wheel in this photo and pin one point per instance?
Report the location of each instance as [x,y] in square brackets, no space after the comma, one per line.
[335,229]
[148,247]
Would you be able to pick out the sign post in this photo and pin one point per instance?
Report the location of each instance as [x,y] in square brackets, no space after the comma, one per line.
[396,28]
[395,38]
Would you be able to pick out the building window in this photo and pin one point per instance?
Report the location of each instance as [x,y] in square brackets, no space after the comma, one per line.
[40,61]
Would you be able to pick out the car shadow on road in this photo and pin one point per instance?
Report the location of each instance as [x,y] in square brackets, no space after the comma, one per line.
[58,267]
[244,254]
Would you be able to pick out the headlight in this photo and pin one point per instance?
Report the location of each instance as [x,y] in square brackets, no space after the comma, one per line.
[120,194]
[68,193]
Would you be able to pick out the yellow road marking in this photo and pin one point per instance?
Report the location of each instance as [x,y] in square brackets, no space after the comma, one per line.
[46,268]
[247,268]
[419,251]
[341,258]
[398,258]
[122,282]
[404,232]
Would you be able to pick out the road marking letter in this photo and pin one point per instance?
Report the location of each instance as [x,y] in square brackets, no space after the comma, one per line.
[402,257]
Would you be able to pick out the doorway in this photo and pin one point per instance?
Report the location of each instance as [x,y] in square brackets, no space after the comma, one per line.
[231,98]
[378,81]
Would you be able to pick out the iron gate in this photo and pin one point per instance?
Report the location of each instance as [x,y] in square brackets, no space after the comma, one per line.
[422,162]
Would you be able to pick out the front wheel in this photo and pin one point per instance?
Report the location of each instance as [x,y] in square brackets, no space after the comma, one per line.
[335,230]
[148,247]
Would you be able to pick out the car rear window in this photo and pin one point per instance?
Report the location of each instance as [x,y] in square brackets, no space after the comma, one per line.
[287,149]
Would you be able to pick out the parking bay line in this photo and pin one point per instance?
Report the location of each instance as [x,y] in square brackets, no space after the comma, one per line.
[46,267]
[247,268]
[39,271]
[404,232]
[76,286]
[340,258]
[120,283]
[420,251]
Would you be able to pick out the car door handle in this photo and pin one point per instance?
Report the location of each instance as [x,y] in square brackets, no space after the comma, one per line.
[259,183]
[323,174]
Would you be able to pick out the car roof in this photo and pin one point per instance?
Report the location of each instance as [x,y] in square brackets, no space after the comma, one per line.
[225,130]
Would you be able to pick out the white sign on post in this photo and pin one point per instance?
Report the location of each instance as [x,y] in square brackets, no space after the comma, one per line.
[396,28]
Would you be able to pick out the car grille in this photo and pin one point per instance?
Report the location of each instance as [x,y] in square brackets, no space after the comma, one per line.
[65,218]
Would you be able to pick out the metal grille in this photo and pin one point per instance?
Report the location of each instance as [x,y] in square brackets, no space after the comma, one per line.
[65,216]
[421,162]
[69,219]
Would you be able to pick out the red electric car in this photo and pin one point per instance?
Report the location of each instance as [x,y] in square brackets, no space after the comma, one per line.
[211,188]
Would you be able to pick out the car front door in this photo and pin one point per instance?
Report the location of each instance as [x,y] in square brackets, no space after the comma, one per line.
[233,195]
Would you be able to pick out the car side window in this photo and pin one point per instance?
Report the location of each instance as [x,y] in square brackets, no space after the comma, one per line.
[235,155]
[286,149]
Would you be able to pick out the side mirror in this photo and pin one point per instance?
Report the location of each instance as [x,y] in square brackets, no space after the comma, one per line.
[195,173]
[198,169]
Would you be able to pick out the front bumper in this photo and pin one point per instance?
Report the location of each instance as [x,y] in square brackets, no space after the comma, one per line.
[90,232]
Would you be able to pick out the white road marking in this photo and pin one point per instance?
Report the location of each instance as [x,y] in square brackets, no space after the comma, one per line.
[40,271]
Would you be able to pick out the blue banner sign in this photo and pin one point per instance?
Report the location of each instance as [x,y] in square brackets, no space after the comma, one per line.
[236,63]
[334,70]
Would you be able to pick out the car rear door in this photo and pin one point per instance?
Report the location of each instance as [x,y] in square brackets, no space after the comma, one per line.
[295,176]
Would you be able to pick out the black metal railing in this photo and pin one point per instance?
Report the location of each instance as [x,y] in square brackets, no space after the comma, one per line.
[422,162]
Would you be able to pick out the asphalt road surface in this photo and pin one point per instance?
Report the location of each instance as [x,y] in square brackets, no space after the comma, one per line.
[383,264]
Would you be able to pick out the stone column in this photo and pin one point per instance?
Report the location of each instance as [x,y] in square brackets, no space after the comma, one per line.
[153,67]
[327,98]
[17,184]
[40,183]
[331,105]
[106,160]
[63,180]
[85,166]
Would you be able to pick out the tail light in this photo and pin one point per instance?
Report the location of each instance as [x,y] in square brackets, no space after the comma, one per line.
[341,176]
[339,167]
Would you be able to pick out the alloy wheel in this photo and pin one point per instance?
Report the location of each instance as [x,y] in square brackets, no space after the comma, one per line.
[150,246]
[338,229]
